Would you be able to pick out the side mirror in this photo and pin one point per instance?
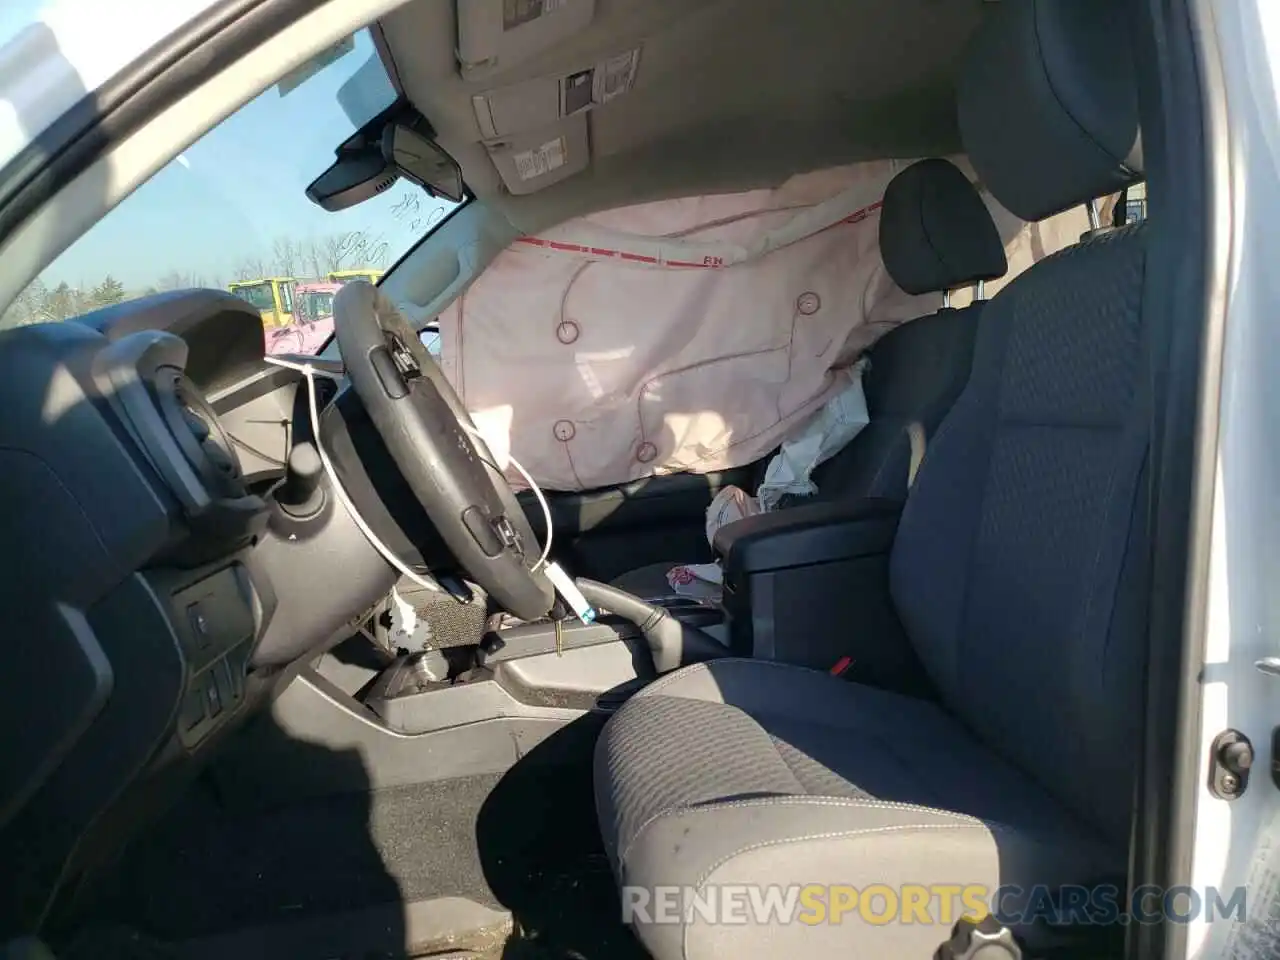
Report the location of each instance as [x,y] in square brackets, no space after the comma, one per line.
[422,161]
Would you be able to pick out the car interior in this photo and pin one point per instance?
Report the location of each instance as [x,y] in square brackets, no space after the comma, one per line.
[236,729]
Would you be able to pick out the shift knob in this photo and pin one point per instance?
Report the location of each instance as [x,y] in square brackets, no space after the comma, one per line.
[300,494]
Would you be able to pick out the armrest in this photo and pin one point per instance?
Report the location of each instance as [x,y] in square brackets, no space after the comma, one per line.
[809,585]
[815,533]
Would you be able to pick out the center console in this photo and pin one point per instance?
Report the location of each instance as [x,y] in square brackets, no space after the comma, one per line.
[572,666]
[809,586]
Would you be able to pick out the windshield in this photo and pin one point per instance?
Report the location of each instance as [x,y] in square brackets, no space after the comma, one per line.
[258,294]
[313,306]
[232,207]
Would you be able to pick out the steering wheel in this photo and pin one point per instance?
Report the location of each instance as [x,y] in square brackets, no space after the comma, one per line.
[433,441]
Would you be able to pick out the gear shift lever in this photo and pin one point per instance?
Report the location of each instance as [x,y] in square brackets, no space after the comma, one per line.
[301,495]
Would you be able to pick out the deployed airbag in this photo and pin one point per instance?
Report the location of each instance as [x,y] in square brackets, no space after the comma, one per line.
[684,335]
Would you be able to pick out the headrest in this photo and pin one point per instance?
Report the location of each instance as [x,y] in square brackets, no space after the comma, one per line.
[935,231]
[1048,104]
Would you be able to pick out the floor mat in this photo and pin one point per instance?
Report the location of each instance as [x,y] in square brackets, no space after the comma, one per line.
[205,871]
[543,858]
[525,841]
[450,928]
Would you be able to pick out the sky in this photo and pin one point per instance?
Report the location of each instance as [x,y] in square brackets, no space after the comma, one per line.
[228,197]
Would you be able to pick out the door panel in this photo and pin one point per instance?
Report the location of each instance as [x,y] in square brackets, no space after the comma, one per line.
[603,533]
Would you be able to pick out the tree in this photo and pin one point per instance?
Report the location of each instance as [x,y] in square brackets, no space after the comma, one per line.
[59,303]
[288,256]
[27,307]
[173,280]
[336,248]
[313,257]
[109,291]
[252,268]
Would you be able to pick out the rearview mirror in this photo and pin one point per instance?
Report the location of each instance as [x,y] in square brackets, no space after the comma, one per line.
[354,177]
[422,161]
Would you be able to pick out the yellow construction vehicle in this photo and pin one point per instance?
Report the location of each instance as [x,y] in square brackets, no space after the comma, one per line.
[346,276]
[273,296]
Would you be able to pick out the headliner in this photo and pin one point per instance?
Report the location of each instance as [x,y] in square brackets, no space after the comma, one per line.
[730,94]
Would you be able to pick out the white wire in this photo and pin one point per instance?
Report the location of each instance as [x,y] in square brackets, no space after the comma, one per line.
[537,492]
[546,512]
[309,372]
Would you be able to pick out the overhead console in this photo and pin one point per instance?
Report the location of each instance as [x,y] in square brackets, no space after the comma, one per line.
[536,131]
[495,35]
[540,103]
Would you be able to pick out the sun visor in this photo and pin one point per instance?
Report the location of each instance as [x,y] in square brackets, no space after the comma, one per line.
[495,35]
[547,100]
[528,162]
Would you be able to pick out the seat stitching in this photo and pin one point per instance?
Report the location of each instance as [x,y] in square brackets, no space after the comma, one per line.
[1085,132]
[962,819]
[829,835]
[990,396]
[651,819]
[705,667]
[841,802]
[804,791]
[681,807]
[834,835]
[666,681]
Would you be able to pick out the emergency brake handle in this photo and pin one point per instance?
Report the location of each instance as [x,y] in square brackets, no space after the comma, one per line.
[672,643]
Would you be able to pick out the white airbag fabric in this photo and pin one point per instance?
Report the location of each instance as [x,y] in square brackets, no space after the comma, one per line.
[684,335]
[828,432]
[598,353]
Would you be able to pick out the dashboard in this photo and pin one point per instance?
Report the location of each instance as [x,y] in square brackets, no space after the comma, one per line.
[154,591]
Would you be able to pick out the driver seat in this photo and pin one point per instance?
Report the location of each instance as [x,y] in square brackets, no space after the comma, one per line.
[1018,571]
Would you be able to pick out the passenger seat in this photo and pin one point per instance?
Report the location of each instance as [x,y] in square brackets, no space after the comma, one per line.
[936,235]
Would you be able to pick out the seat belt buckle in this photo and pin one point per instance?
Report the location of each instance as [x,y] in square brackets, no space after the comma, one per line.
[985,939]
[843,666]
